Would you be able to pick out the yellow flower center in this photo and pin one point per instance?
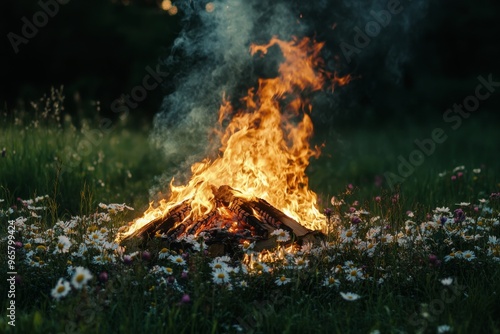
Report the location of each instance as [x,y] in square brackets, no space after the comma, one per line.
[348,234]
[61,289]
[218,266]
[282,278]
[221,275]
[331,280]
[354,273]
[179,260]
[60,245]
[80,278]
[164,250]
[169,270]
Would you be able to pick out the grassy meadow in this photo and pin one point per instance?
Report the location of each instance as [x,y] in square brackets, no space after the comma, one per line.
[421,257]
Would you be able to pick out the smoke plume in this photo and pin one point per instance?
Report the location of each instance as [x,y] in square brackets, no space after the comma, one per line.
[211,59]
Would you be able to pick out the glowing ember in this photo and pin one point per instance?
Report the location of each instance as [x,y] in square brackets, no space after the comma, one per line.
[265,148]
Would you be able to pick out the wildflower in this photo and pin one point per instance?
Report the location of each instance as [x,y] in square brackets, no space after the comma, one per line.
[442,210]
[185,299]
[353,274]
[146,256]
[301,263]
[103,277]
[177,259]
[282,280]
[169,271]
[447,281]
[378,199]
[61,289]
[493,240]
[63,244]
[336,202]
[163,253]
[468,255]
[348,235]
[350,296]
[459,215]
[328,212]
[434,261]
[247,245]
[217,264]
[476,170]
[282,235]
[331,281]
[306,247]
[220,276]
[444,329]
[458,168]
[355,220]
[41,248]
[386,239]
[80,277]
[127,259]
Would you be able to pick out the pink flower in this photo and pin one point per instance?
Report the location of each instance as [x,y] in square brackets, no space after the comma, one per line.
[185,299]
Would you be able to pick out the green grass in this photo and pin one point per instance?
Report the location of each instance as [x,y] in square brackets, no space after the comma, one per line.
[46,159]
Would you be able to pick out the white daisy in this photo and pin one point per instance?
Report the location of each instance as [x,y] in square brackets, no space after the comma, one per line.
[350,296]
[220,276]
[61,289]
[163,253]
[447,281]
[331,281]
[282,280]
[281,235]
[177,259]
[301,263]
[63,244]
[353,274]
[444,329]
[468,255]
[80,277]
[442,210]
[217,264]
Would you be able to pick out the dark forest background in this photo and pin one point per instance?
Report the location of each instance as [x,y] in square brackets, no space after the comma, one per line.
[100,49]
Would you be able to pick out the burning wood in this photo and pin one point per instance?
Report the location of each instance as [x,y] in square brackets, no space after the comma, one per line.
[235,219]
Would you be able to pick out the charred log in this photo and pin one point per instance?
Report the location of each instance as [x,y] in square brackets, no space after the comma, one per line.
[234,219]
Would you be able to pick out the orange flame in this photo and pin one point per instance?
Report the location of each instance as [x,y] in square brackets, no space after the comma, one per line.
[265,150]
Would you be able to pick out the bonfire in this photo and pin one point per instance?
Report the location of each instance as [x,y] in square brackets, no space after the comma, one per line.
[258,184]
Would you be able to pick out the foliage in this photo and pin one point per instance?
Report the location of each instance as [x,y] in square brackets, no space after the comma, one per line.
[420,257]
